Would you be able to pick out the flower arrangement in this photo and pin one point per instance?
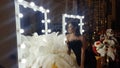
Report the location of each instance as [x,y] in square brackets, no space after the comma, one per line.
[106,46]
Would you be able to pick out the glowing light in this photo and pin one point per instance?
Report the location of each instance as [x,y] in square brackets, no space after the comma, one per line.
[20,0]
[43,31]
[41,8]
[43,21]
[77,16]
[47,10]
[23,46]
[21,30]
[81,24]
[32,4]
[68,16]
[49,30]
[82,17]
[65,15]
[20,15]
[83,31]
[65,23]
[48,21]
[72,16]
[23,61]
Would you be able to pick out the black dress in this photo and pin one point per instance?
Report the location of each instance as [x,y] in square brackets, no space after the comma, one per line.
[76,45]
[90,61]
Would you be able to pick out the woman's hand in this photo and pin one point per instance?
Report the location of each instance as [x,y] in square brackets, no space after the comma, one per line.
[82,66]
[69,52]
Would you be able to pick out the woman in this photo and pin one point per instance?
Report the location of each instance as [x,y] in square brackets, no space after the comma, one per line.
[76,42]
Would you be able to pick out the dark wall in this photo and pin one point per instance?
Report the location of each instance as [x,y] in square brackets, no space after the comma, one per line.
[8,48]
[116,24]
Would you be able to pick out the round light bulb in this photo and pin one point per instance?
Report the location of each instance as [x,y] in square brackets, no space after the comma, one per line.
[20,0]
[47,10]
[20,15]
[49,30]
[21,30]
[41,8]
[32,4]
[48,21]
[43,21]
[43,31]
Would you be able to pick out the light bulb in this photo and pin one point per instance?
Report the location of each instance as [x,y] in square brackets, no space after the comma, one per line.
[20,0]
[48,21]
[20,15]
[21,30]
[32,4]
[47,10]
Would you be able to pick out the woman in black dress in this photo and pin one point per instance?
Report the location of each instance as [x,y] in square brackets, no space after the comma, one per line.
[76,42]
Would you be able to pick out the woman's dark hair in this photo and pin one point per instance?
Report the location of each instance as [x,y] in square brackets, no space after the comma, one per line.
[75,26]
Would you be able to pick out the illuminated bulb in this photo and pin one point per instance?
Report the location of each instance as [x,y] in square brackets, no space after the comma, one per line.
[20,0]
[49,30]
[23,60]
[23,45]
[41,8]
[43,11]
[43,31]
[47,10]
[21,30]
[43,21]
[65,15]
[82,31]
[77,16]
[32,4]
[82,17]
[48,21]
[72,16]
[68,16]
[20,15]
[81,24]
[65,23]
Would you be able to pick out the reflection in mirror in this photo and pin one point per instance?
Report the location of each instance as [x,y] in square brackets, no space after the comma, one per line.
[78,20]
[31,21]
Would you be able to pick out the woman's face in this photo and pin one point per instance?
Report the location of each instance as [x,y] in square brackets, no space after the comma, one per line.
[70,28]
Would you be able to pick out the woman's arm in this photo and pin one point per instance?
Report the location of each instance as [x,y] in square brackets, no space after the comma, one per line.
[69,50]
[82,57]
[83,51]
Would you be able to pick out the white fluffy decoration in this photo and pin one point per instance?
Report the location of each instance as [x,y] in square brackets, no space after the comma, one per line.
[42,51]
